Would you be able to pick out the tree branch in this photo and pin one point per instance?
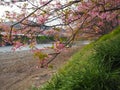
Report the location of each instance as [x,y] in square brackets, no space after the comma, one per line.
[27,17]
[111,9]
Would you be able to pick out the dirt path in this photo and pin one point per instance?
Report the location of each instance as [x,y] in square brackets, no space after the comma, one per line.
[18,70]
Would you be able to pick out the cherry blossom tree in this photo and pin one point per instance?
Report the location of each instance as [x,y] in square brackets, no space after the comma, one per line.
[73,16]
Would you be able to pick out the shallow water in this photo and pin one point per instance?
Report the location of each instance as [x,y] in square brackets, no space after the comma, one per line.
[39,46]
[23,48]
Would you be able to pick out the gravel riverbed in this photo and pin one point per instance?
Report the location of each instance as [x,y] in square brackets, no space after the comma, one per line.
[18,69]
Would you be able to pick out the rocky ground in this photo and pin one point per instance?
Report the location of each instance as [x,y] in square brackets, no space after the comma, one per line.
[18,69]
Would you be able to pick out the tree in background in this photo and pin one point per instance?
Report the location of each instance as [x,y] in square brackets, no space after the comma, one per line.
[62,16]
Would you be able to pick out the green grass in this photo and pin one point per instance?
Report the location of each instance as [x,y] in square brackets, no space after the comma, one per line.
[95,67]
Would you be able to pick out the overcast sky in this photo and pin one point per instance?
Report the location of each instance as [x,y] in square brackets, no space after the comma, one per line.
[16,9]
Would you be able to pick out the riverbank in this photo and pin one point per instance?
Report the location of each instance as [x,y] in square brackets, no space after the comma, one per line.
[18,69]
[95,67]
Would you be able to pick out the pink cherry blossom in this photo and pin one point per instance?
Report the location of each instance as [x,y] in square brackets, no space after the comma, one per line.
[42,2]
[42,18]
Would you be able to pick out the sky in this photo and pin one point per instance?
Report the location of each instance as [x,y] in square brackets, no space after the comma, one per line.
[16,9]
[12,7]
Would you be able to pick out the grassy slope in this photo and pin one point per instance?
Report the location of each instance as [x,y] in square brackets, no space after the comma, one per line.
[95,67]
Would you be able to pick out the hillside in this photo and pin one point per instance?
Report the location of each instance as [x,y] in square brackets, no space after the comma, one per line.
[95,67]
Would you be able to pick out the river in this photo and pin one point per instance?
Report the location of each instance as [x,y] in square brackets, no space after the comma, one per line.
[39,46]
[9,48]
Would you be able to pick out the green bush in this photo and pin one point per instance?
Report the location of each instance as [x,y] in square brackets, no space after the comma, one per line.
[95,67]
[44,39]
